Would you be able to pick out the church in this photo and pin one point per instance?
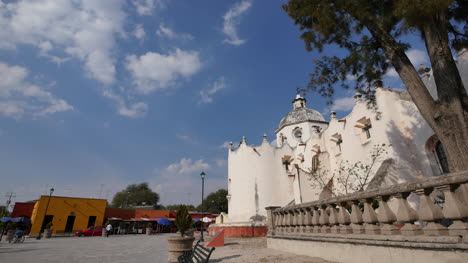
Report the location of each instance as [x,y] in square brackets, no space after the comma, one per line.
[314,158]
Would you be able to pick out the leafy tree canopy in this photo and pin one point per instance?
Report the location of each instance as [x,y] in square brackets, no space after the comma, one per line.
[176,207]
[215,202]
[365,37]
[135,195]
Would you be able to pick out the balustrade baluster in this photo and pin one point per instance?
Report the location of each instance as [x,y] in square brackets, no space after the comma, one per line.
[324,220]
[344,220]
[356,218]
[430,213]
[301,225]
[333,219]
[316,220]
[370,218]
[290,221]
[456,208]
[308,220]
[407,216]
[386,217]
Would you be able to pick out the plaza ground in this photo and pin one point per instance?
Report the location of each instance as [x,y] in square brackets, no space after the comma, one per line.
[136,248]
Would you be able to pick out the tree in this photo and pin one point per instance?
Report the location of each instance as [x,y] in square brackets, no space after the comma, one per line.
[371,31]
[3,213]
[135,195]
[175,207]
[215,202]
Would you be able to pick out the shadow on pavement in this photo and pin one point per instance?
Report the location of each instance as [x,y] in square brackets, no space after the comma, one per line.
[224,258]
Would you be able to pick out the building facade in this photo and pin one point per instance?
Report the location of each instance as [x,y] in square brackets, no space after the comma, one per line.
[313,158]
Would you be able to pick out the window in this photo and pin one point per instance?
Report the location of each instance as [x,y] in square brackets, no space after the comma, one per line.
[315,163]
[362,128]
[441,157]
[336,138]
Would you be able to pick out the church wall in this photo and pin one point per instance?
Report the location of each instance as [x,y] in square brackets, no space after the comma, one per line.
[255,181]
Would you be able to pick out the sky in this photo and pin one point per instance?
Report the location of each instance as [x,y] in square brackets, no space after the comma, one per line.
[96,95]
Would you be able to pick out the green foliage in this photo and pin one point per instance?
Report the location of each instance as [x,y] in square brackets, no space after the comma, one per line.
[135,195]
[345,24]
[12,226]
[49,225]
[175,207]
[149,225]
[215,202]
[4,212]
[183,220]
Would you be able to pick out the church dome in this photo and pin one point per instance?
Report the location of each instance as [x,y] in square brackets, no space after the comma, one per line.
[300,113]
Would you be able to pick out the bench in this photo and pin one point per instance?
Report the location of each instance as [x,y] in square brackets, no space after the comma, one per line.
[199,254]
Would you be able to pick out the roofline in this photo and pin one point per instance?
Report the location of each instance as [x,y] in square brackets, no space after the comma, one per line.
[56,196]
[294,123]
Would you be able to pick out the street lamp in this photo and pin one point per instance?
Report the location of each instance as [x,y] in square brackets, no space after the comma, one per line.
[202,175]
[45,213]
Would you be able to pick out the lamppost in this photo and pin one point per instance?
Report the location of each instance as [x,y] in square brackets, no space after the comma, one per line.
[45,213]
[202,175]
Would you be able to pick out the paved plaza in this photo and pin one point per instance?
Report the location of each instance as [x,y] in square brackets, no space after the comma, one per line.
[135,248]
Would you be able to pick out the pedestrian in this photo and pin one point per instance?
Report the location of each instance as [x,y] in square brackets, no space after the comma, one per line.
[108,229]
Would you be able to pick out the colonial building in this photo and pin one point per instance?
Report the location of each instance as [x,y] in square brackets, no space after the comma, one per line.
[314,157]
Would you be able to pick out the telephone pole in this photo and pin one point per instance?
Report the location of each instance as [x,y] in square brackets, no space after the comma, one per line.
[9,196]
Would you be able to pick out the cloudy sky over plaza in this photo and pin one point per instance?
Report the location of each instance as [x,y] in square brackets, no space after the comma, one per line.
[95,95]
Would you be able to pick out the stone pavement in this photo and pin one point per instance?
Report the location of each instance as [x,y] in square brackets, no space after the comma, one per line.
[135,248]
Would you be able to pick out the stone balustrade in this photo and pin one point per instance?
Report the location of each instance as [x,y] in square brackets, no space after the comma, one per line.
[370,212]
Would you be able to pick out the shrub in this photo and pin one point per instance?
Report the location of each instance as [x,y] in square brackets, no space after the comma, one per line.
[149,225]
[183,220]
[49,225]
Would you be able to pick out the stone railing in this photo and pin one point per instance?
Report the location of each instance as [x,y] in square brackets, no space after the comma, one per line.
[353,214]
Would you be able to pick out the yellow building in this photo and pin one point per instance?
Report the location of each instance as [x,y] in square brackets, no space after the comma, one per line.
[68,214]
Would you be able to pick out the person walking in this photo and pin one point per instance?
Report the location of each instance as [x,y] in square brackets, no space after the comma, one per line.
[108,229]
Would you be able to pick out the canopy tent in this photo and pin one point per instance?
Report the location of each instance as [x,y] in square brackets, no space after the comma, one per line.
[164,221]
[207,219]
[196,220]
[22,219]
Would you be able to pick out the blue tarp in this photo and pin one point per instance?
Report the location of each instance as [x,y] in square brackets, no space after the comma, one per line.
[196,220]
[164,221]
[16,219]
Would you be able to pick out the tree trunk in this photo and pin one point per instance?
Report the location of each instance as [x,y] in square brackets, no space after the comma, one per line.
[447,118]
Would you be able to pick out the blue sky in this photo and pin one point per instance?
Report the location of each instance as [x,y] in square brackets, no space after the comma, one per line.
[96,95]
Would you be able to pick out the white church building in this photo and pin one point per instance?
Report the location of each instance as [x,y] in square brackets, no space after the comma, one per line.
[312,155]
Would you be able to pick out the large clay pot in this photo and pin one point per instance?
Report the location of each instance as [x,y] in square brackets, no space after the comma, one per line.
[177,246]
[48,233]
[148,231]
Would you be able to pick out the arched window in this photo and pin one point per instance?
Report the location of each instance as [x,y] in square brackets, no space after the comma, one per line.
[441,157]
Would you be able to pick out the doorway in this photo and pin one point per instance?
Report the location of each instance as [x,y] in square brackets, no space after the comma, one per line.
[69,225]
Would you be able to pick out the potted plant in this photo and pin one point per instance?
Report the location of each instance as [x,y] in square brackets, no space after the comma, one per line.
[177,245]
[149,228]
[48,230]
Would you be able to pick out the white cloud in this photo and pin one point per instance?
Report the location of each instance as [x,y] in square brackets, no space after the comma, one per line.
[416,56]
[221,163]
[164,31]
[187,138]
[185,167]
[205,95]
[19,97]
[139,32]
[343,104]
[146,7]
[153,71]
[81,29]
[135,110]
[232,20]
[225,145]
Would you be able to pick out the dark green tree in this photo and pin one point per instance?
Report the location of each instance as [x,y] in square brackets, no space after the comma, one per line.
[371,32]
[135,195]
[215,202]
[3,213]
[175,207]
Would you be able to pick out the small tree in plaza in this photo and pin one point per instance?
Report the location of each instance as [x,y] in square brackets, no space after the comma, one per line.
[183,220]
[350,176]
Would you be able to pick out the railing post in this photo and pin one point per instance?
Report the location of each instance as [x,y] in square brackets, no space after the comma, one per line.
[356,218]
[316,220]
[290,221]
[369,217]
[407,216]
[386,217]
[324,220]
[301,226]
[308,220]
[456,208]
[333,219]
[430,213]
[343,218]
[271,219]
